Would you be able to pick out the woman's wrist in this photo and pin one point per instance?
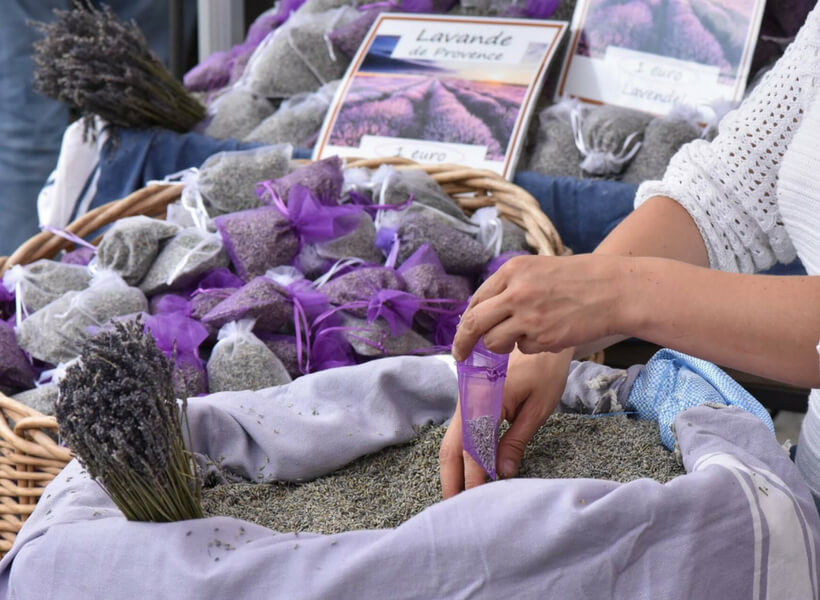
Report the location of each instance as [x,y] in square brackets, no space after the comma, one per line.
[638,293]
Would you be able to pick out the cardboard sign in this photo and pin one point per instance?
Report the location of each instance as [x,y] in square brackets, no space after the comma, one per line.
[652,55]
[441,90]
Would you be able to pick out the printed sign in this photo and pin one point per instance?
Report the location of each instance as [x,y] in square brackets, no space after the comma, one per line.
[652,55]
[441,90]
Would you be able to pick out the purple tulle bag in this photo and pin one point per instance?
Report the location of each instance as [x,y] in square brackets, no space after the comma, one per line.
[179,338]
[79,256]
[324,178]
[7,307]
[533,9]
[359,285]
[425,277]
[16,371]
[481,378]
[257,240]
[497,262]
[311,220]
[170,304]
[261,299]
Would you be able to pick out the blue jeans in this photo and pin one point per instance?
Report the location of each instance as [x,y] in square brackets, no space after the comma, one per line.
[31,125]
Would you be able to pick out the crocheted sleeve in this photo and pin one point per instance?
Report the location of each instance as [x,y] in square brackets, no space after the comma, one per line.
[729,185]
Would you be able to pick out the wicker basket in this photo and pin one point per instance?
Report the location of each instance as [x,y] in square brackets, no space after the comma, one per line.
[29,456]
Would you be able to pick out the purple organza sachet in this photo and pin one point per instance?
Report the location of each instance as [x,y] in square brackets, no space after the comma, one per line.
[179,338]
[481,378]
[324,179]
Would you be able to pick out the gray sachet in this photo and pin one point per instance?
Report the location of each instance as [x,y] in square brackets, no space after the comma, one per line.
[236,113]
[241,361]
[182,259]
[663,137]
[298,119]
[56,333]
[130,247]
[43,281]
[227,180]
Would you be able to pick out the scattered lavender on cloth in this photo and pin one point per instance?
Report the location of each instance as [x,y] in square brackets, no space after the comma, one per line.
[241,361]
[385,489]
[119,415]
[131,246]
[43,281]
[185,257]
[100,66]
[57,332]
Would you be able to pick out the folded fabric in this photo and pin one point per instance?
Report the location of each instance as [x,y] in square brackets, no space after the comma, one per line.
[740,524]
[672,381]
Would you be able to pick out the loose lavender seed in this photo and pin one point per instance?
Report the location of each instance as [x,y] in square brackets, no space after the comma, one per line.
[483,435]
[387,488]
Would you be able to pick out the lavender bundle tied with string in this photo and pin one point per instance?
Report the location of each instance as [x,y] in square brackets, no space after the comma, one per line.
[481,378]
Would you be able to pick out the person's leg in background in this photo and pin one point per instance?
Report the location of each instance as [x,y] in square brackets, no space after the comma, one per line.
[31,125]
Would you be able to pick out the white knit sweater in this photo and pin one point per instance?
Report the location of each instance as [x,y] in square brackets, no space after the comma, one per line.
[754,191]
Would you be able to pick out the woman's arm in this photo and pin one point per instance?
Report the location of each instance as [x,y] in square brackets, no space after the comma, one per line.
[765,325]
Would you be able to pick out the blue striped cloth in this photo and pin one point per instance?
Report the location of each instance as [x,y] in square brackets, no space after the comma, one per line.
[672,381]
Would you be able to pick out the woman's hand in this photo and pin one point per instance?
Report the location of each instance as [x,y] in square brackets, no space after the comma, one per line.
[533,388]
[547,304]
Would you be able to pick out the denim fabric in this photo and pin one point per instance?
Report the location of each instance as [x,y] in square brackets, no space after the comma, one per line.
[31,126]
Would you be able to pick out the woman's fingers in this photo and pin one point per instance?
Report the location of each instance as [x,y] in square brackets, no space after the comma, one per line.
[451,458]
[502,338]
[477,321]
[474,475]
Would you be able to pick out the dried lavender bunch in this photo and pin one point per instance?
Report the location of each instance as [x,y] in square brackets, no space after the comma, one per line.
[119,415]
[98,65]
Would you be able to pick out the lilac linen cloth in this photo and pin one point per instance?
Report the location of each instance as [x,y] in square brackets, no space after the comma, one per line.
[740,524]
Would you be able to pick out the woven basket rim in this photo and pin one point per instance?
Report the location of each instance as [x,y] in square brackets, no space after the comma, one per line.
[29,456]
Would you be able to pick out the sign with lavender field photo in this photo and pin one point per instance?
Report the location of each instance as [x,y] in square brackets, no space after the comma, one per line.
[441,90]
[653,55]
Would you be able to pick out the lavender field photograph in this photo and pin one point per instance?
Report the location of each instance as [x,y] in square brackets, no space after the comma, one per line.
[709,32]
[428,100]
